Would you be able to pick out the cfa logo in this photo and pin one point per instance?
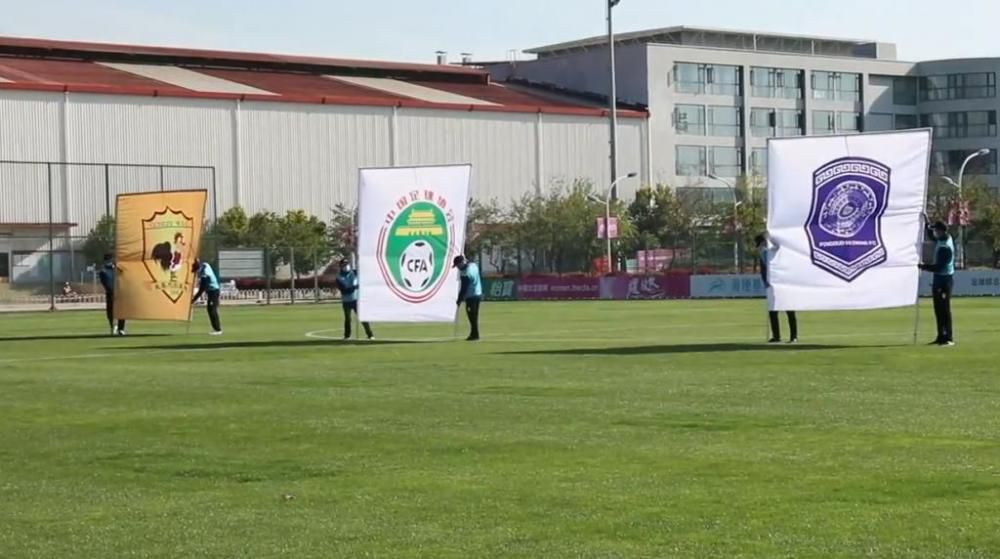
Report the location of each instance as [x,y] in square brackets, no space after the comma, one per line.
[415,246]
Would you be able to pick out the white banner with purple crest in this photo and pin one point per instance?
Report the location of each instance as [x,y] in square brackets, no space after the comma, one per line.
[844,220]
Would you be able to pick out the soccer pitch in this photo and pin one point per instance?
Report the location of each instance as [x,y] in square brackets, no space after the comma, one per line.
[605,430]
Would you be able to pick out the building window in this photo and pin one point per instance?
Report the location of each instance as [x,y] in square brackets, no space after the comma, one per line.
[958,86]
[725,121]
[690,119]
[904,91]
[949,162]
[691,161]
[776,83]
[762,123]
[790,123]
[726,162]
[971,124]
[836,86]
[824,122]
[758,162]
[782,123]
[906,122]
[713,79]
[848,122]
[879,121]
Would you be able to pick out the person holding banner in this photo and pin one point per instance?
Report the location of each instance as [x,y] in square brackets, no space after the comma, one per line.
[793,323]
[347,284]
[208,284]
[470,292]
[943,269]
[108,282]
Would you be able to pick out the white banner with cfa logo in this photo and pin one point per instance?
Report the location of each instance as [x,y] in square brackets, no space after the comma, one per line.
[844,220]
[411,226]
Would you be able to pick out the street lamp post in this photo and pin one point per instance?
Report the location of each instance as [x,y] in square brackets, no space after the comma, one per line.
[613,95]
[736,229]
[961,203]
[607,213]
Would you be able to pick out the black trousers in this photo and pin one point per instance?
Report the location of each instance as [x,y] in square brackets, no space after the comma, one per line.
[349,307]
[472,312]
[942,308]
[793,325]
[213,309]
[109,310]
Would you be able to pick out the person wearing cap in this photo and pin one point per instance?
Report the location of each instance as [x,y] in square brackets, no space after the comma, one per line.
[943,269]
[107,276]
[772,316]
[470,292]
[347,284]
[208,283]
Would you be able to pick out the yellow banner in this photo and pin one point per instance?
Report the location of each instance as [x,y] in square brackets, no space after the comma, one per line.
[158,238]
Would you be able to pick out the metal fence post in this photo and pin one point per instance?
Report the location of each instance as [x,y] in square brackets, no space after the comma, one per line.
[267,275]
[291,269]
[52,256]
[161,178]
[316,274]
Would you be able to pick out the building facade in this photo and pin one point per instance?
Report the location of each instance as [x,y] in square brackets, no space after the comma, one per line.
[715,97]
[278,133]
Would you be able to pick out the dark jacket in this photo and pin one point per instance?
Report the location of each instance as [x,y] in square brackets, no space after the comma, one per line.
[107,276]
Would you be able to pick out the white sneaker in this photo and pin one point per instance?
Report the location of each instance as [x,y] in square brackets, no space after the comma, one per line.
[122,333]
[114,330]
[215,333]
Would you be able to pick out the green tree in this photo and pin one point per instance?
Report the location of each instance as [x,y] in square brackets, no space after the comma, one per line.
[100,240]
[232,229]
[661,219]
[262,232]
[342,231]
[557,231]
[305,237]
[489,234]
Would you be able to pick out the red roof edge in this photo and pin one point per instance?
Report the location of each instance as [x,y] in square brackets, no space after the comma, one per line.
[45,48]
[318,100]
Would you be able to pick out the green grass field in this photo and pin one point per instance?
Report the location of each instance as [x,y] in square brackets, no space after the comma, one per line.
[604,430]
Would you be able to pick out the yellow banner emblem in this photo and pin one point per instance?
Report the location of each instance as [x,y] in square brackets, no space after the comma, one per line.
[166,238]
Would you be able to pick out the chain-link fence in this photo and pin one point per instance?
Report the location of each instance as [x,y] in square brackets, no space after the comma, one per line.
[48,209]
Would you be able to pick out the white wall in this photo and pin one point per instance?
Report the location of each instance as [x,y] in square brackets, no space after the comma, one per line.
[280,156]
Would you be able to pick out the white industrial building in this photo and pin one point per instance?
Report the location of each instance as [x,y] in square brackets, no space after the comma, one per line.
[279,132]
[715,96]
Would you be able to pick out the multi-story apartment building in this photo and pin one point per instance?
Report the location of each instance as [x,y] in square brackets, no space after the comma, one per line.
[715,96]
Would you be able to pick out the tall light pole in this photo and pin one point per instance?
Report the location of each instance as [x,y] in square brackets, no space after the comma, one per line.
[736,228]
[607,213]
[960,257]
[613,96]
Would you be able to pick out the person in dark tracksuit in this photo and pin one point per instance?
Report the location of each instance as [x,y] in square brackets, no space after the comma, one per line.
[943,269]
[208,283]
[470,292]
[347,284]
[107,276]
[793,322]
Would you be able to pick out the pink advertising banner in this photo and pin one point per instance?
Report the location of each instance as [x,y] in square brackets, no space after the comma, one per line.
[558,288]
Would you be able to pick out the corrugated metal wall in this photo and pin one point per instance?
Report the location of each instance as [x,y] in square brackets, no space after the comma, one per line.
[278,156]
[500,146]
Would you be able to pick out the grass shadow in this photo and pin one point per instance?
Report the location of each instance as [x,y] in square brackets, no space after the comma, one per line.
[264,344]
[689,348]
[58,337]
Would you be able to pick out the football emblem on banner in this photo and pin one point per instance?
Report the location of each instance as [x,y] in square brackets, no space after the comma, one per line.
[415,247]
[166,237]
[845,224]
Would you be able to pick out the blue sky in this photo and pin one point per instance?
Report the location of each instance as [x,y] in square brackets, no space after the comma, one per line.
[413,29]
